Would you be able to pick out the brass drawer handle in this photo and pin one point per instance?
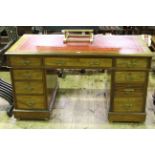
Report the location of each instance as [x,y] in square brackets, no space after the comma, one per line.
[129,105]
[26,62]
[129,77]
[28,75]
[60,63]
[94,63]
[131,64]
[129,90]
[29,88]
[30,104]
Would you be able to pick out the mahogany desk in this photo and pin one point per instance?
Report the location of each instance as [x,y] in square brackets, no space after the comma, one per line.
[127,57]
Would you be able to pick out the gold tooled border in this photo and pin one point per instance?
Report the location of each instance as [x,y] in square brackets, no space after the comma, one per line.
[17,44]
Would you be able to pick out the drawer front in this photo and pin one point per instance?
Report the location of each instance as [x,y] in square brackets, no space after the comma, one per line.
[132,62]
[130,77]
[25,61]
[30,102]
[129,91]
[128,104]
[28,87]
[78,62]
[26,74]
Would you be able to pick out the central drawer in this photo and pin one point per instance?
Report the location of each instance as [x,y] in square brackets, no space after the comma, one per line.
[78,62]
[30,102]
[130,76]
[28,87]
[27,74]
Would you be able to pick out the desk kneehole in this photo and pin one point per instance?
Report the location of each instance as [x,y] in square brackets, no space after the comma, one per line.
[77,62]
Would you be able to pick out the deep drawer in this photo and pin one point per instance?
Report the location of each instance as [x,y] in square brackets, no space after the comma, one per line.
[130,76]
[26,74]
[78,62]
[28,87]
[26,61]
[132,62]
[128,104]
[30,102]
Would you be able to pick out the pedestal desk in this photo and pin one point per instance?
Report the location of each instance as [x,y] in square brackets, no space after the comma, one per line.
[33,56]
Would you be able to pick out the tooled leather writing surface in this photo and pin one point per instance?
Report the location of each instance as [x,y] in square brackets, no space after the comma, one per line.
[101,44]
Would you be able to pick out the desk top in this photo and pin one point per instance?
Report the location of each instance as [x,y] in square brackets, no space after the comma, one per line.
[110,45]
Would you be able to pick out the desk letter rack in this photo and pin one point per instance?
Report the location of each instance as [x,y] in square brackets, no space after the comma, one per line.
[78,36]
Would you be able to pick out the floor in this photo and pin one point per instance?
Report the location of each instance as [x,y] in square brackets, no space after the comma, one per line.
[80,104]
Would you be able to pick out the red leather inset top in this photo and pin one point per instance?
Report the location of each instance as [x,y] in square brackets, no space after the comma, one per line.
[101,43]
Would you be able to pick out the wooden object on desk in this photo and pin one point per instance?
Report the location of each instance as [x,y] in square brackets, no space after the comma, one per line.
[127,57]
[78,36]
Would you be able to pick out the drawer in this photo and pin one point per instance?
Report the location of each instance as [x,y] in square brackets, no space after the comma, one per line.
[28,87]
[132,62]
[30,102]
[26,74]
[128,104]
[25,61]
[78,62]
[130,76]
[123,91]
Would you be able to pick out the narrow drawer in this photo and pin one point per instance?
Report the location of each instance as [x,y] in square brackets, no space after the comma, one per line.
[27,74]
[78,62]
[28,87]
[26,61]
[132,62]
[130,76]
[30,102]
[128,104]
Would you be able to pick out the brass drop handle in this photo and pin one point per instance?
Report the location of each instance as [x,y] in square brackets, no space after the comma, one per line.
[129,109]
[129,77]
[129,105]
[94,63]
[129,90]
[131,63]
[29,88]
[26,62]
[27,75]
[60,63]
[30,103]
